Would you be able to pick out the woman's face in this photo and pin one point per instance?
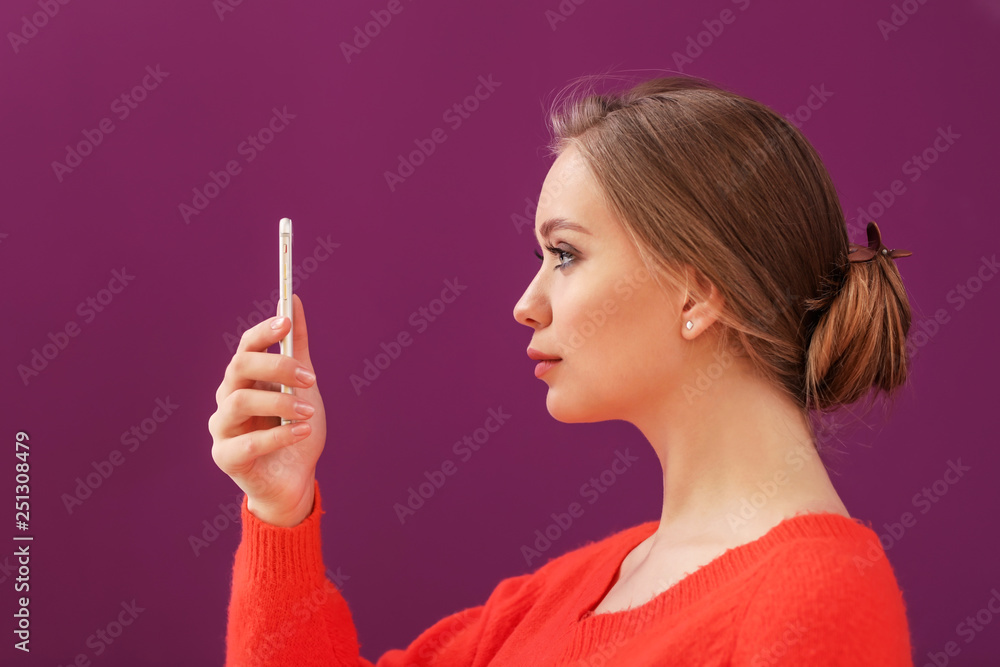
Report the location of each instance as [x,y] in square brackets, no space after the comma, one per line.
[618,335]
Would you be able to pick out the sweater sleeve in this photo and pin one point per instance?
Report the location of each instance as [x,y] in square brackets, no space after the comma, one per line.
[283,610]
[827,608]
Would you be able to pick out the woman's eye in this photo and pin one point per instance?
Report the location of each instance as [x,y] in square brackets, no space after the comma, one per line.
[558,252]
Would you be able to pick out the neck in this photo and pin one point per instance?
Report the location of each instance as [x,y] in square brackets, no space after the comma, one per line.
[737,459]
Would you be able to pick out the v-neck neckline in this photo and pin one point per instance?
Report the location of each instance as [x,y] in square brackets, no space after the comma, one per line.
[717,571]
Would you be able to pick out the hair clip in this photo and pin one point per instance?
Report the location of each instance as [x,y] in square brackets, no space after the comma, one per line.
[860,253]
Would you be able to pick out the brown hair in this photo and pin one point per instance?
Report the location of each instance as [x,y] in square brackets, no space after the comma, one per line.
[702,176]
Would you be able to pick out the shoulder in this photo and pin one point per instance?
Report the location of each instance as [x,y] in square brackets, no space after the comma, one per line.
[831,586]
[835,555]
[834,574]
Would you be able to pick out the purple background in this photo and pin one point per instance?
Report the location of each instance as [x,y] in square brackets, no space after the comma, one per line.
[163,336]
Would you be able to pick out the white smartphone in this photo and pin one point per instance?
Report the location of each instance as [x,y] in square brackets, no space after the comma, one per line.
[285,292]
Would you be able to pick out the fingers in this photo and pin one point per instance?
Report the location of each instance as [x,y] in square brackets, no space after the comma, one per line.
[242,404]
[236,456]
[262,335]
[245,401]
[252,362]
[247,367]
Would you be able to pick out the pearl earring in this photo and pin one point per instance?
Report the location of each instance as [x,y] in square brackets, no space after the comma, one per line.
[689,325]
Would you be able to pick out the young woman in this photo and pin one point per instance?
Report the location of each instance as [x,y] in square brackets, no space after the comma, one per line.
[697,281]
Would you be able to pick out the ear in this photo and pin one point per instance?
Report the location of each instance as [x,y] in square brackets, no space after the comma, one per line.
[702,304]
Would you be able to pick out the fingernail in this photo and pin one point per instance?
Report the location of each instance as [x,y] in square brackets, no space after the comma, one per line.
[303,409]
[277,323]
[300,429]
[303,375]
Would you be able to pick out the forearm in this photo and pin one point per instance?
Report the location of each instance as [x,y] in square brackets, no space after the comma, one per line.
[283,609]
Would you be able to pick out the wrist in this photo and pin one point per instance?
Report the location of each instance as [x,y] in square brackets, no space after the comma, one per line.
[283,517]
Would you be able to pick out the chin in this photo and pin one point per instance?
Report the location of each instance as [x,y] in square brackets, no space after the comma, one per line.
[570,411]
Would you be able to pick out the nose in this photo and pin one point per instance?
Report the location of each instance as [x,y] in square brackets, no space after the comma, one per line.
[531,309]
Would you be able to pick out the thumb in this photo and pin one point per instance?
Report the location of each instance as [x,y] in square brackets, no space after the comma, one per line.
[300,335]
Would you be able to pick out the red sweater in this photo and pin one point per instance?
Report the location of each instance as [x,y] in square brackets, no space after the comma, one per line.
[817,589]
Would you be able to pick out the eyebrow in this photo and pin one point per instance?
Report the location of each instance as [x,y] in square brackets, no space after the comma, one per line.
[553,224]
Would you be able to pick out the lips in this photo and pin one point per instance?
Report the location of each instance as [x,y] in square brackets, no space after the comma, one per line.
[542,356]
[545,361]
[544,366]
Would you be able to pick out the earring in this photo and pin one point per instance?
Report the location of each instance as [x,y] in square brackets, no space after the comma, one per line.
[689,325]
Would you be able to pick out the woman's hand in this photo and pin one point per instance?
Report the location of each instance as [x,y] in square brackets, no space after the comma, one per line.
[275,465]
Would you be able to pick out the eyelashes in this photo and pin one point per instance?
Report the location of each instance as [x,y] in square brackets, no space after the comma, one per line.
[558,253]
